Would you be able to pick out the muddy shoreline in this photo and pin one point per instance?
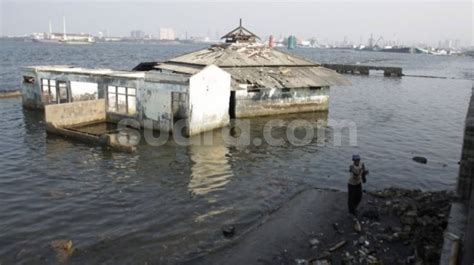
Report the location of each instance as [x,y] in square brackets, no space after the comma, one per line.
[394,226]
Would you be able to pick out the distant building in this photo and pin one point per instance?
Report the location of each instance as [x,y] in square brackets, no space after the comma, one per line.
[450,44]
[137,34]
[167,34]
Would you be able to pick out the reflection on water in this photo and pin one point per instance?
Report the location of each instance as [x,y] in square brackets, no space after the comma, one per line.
[210,152]
[210,169]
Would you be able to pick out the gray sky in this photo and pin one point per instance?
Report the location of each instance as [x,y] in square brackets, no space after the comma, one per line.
[407,21]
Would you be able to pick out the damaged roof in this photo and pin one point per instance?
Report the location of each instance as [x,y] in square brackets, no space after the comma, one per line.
[240,54]
[256,65]
[287,77]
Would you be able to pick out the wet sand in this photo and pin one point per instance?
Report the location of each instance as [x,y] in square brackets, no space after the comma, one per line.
[397,227]
[284,235]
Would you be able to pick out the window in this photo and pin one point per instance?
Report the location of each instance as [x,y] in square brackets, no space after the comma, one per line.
[48,91]
[28,79]
[63,92]
[81,91]
[253,90]
[122,99]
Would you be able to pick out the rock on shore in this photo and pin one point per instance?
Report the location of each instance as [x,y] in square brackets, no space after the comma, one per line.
[398,226]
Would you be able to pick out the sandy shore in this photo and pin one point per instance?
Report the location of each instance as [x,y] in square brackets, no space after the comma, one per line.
[396,227]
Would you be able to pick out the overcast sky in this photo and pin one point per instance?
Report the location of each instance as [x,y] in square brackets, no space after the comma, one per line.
[407,21]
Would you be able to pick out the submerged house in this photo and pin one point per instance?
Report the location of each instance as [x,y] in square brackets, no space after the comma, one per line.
[76,99]
[265,81]
[203,89]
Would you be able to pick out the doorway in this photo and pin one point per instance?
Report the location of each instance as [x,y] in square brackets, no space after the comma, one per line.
[62,92]
[232,105]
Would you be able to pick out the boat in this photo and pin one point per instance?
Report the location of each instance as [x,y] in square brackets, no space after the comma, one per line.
[398,49]
[45,40]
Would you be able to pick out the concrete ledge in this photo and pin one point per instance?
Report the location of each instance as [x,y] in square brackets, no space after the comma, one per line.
[465,186]
[109,140]
[10,94]
[453,234]
[468,242]
[466,169]
[364,69]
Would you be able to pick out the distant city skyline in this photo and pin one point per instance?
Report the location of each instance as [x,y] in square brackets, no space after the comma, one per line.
[327,22]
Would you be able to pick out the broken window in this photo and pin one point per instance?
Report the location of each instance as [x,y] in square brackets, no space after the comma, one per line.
[122,99]
[28,79]
[81,91]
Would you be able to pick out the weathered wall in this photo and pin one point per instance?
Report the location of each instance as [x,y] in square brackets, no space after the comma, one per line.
[31,94]
[466,169]
[466,182]
[155,104]
[209,95]
[275,101]
[69,114]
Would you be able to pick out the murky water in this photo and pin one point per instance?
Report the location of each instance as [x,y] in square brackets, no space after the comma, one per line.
[167,203]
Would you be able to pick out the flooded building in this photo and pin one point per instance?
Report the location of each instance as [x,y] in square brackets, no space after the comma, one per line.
[203,89]
[74,99]
[265,81]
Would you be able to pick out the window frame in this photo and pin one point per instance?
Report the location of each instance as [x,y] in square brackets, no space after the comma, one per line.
[127,93]
[49,86]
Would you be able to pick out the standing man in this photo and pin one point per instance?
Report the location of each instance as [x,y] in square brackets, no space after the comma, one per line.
[357,176]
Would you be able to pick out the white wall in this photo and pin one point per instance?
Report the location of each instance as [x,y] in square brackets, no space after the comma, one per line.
[209,94]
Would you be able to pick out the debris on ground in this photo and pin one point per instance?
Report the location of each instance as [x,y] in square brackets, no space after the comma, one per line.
[314,242]
[62,245]
[397,226]
[357,226]
[228,230]
[337,246]
[63,248]
[337,229]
